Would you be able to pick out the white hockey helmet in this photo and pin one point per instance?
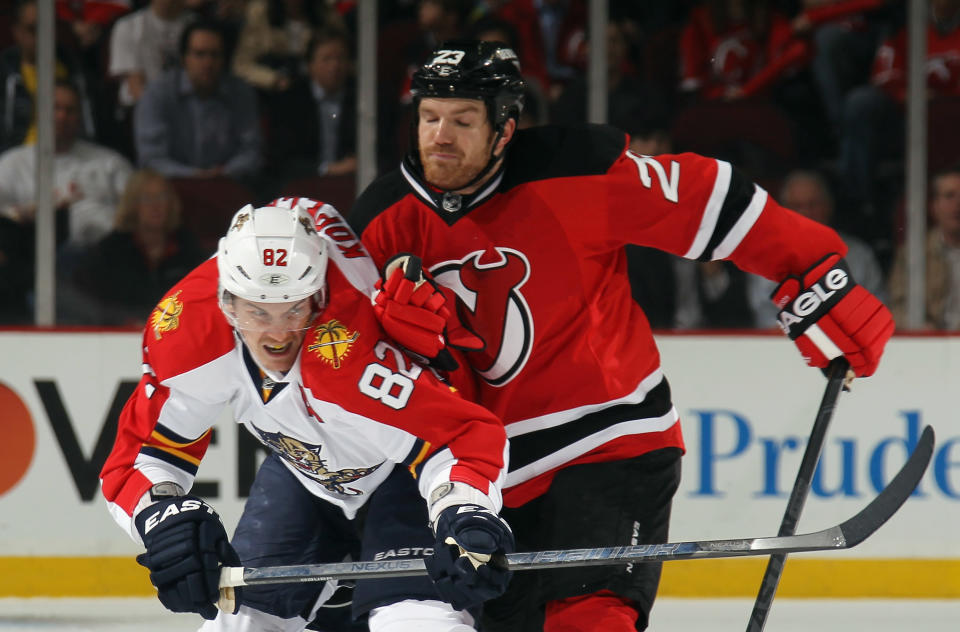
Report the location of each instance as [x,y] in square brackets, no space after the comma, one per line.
[272,255]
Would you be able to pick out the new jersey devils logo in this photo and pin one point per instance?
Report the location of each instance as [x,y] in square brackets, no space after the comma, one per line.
[488,285]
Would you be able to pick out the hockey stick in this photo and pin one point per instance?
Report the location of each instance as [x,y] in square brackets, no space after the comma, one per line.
[837,372]
[842,536]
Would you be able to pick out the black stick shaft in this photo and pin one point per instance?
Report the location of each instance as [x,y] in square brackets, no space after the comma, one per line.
[798,496]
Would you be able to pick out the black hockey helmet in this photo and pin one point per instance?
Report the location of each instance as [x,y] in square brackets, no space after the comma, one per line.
[472,69]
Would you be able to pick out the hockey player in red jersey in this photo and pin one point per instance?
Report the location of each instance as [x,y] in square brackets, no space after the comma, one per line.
[293,345]
[523,231]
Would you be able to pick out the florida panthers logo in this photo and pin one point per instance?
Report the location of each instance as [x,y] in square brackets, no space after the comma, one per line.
[488,285]
[306,458]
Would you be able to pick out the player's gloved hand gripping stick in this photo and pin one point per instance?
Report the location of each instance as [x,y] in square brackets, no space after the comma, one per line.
[467,565]
[186,546]
[828,315]
[414,312]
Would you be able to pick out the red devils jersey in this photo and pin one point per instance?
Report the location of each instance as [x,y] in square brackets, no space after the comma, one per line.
[536,261]
[942,64]
[351,408]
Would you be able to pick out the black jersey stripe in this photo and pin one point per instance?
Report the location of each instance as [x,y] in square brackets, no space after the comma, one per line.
[738,197]
[536,445]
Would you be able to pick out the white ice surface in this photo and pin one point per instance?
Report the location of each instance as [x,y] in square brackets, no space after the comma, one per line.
[670,615]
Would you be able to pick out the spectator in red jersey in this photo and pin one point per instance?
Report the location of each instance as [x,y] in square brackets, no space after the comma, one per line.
[725,43]
[873,118]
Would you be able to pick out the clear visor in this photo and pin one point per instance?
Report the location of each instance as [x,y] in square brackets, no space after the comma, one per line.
[264,317]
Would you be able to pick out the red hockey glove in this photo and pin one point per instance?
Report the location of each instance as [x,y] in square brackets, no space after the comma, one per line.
[828,315]
[413,312]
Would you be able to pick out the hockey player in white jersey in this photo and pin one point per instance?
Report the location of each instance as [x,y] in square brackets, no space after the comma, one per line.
[279,326]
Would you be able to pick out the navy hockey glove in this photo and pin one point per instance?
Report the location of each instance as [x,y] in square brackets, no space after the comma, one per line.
[828,315]
[414,312]
[186,545]
[467,564]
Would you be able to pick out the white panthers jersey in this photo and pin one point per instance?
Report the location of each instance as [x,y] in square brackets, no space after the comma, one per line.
[352,408]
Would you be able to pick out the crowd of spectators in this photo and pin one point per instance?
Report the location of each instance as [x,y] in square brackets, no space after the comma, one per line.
[169,112]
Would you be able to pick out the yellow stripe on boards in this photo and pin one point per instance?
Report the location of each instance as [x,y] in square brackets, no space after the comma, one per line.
[73,577]
[813,578]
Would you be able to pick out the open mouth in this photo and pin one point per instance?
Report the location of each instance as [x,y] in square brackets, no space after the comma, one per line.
[278,349]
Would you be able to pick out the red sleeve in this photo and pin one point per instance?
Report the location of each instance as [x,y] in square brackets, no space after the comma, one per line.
[792,56]
[184,331]
[138,433]
[694,55]
[702,208]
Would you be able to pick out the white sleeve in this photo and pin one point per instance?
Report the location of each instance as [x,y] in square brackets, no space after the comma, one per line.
[124,56]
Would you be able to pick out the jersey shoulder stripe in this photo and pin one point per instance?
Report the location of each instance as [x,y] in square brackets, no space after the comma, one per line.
[739,194]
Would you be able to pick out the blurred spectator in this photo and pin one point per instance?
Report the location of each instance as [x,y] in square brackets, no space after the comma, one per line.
[516,24]
[16,272]
[872,122]
[562,26]
[809,193]
[711,295]
[89,18]
[748,49]
[144,44]
[273,41]
[313,125]
[229,14]
[437,21]
[88,178]
[492,29]
[725,42]
[18,80]
[441,20]
[196,121]
[83,28]
[942,291]
[129,270]
[844,35]
[628,95]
